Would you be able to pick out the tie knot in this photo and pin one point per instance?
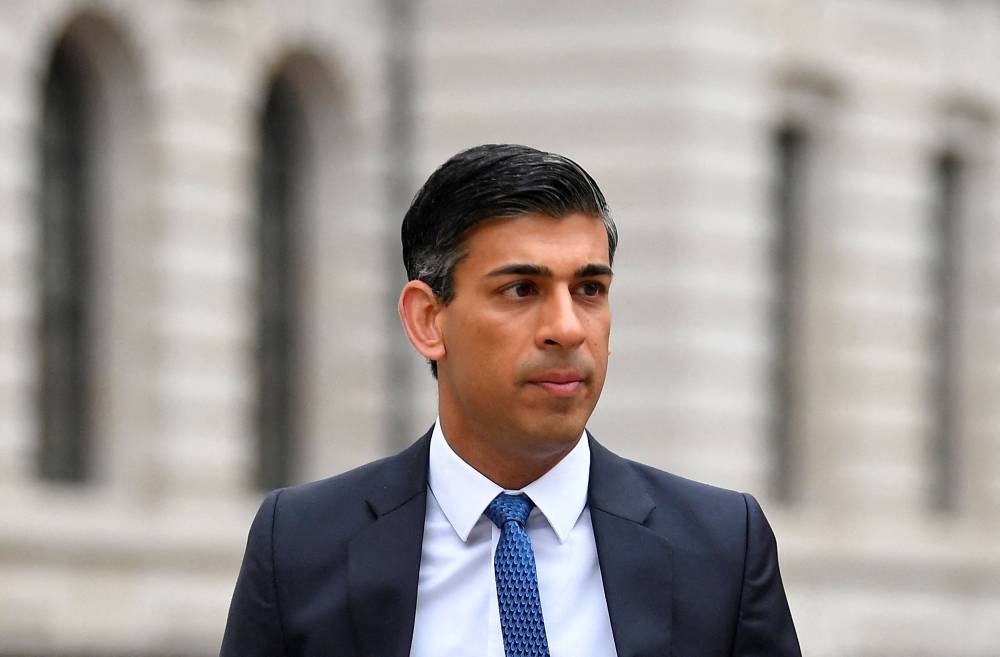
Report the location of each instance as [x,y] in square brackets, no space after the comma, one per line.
[506,507]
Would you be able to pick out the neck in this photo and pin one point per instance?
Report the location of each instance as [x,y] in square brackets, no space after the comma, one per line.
[506,468]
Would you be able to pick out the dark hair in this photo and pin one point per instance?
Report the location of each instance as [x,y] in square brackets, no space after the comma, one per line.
[487,182]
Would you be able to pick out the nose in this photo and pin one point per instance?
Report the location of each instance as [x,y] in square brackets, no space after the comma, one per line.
[560,325]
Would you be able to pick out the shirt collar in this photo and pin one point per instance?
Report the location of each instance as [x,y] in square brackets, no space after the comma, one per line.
[463,493]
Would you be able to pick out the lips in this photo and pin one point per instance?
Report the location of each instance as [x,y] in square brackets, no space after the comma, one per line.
[560,383]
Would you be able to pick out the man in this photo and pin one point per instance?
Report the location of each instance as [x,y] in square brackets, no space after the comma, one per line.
[507,529]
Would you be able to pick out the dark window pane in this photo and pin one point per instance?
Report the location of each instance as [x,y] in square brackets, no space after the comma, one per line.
[949,174]
[64,274]
[789,151]
[278,173]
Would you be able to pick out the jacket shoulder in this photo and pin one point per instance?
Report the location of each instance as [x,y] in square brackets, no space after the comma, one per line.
[693,513]
[352,499]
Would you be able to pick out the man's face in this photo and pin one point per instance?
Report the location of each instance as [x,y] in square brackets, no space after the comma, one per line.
[526,335]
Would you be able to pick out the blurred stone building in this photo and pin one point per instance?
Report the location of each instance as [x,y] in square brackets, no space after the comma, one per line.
[199,211]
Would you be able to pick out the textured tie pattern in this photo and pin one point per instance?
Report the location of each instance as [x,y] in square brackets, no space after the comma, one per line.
[517,581]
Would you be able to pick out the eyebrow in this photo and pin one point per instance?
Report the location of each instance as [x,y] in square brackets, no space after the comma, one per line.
[520,269]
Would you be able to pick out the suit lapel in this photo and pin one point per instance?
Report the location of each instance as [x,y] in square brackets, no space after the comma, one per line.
[635,561]
[384,560]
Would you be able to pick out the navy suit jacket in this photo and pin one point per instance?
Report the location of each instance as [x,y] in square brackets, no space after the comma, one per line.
[331,567]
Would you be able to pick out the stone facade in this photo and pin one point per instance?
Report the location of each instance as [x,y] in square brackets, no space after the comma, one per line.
[672,106]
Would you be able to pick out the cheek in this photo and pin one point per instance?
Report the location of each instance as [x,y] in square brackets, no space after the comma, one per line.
[599,331]
[484,350]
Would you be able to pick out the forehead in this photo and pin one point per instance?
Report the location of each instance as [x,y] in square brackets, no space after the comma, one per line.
[539,239]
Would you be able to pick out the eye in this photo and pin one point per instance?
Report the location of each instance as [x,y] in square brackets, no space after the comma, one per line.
[591,289]
[520,290]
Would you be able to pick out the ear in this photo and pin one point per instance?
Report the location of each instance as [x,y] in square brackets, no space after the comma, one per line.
[418,310]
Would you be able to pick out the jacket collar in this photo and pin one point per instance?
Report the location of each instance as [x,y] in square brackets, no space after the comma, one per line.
[636,562]
[383,560]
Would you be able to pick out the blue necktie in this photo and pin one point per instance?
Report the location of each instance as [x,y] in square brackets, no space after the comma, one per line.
[517,582]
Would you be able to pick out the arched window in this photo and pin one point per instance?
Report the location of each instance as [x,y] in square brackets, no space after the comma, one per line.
[92,383]
[278,183]
[64,272]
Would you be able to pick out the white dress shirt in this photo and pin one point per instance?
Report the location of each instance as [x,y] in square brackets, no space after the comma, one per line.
[457,612]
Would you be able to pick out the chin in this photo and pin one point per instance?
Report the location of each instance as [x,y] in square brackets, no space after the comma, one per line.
[559,431]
